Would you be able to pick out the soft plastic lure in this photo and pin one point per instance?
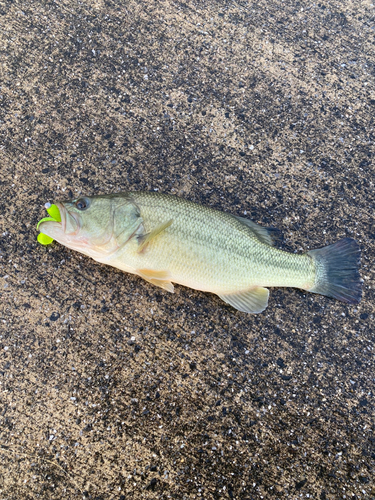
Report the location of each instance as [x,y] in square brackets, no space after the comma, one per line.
[55,216]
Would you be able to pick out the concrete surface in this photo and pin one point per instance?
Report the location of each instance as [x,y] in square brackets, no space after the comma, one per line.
[114,389]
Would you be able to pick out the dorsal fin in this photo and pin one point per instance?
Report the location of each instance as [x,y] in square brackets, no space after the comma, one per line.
[267,235]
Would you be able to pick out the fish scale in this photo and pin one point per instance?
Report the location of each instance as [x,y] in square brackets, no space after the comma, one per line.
[214,249]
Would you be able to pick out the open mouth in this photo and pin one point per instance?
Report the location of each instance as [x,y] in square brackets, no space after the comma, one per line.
[52,223]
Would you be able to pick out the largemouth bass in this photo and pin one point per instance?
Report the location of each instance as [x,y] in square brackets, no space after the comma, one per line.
[166,239]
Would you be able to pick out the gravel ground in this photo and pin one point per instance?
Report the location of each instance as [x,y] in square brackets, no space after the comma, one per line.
[114,389]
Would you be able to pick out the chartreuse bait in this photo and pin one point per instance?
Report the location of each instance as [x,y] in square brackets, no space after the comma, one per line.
[55,216]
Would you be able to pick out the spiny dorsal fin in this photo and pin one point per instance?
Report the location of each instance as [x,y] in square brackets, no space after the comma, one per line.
[252,301]
[267,235]
[145,239]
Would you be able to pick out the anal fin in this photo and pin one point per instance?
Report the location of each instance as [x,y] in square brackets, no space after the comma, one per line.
[251,301]
[161,279]
[144,239]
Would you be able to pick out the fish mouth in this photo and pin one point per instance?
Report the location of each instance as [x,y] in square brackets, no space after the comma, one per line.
[62,231]
[51,227]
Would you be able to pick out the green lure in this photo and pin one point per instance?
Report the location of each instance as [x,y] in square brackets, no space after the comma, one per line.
[54,213]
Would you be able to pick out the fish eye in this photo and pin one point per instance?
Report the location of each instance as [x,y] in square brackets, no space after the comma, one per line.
[82,204]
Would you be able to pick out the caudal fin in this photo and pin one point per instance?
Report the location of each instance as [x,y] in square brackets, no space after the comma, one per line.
[337,272]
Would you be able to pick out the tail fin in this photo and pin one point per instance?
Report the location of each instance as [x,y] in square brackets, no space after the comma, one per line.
[337,272]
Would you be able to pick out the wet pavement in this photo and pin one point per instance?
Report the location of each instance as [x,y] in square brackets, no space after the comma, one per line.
[114,389]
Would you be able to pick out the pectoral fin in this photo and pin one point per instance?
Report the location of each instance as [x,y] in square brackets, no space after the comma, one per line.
[157,278]
[252,301]
[145,239]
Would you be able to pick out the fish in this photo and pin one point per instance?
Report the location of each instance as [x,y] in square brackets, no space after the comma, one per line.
[167,240]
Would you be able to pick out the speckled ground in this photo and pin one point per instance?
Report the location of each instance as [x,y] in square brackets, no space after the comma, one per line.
[114,389]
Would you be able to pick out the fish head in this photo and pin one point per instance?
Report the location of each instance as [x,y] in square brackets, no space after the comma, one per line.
[93,225]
